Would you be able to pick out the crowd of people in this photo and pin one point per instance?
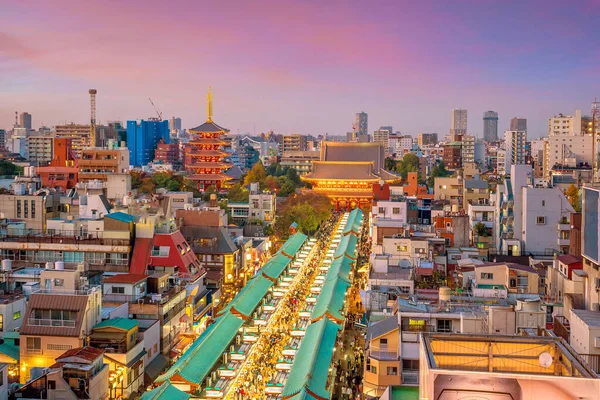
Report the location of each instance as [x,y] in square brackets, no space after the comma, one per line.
[269,348]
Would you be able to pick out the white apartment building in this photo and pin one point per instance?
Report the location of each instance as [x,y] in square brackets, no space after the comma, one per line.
[565,124]
[383,136]
[501,165]
[514,144]
[400,145]
[567,151]
[529,219]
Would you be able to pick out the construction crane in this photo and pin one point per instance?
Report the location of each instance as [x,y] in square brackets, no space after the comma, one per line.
[93,93]
[158,112]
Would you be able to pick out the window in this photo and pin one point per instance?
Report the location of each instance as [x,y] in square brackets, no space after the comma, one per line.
[381,210]
[52,385]
[487,275]
[18,208]
[392,371]
[118,289]
[16,316]
[543,203]
[410,365]
[396,210]
[383,342]
[32,208]
[34,344]
[373,369]
[402,248]
[541,220]
[444,325]
[1,322]
[59,282]
[26,209]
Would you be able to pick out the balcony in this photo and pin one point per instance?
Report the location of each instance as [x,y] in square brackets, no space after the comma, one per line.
[564,227]
[563,242]
[66,237]
[383,353]
[562,327]
[410,378]
[65,323]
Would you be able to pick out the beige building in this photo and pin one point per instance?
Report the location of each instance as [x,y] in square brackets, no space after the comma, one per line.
[59,317]
[502,367]
[295,142]
[301,161]
[39,149]
[79,135]
[99,163]
[34,210]
[449,189]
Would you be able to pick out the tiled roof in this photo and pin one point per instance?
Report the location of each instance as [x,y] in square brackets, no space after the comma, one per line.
[342,170]
[119,323]
[382,327]
[342,151]
[569,259]
[86,353]
[209,127]
[55,302]
[165,391]
[125,278]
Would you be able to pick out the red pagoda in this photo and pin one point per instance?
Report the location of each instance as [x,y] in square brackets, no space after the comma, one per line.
[204,153]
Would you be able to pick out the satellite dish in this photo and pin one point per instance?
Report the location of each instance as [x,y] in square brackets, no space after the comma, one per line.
[545,359]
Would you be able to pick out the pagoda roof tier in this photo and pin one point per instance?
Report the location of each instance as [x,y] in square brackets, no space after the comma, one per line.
[202,141]
[209,177]
[209,164]
[206,153]
[344,194]
[209,127]
[342,171]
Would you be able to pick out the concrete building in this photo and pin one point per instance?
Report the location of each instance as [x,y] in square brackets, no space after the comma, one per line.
[12,312]
[468,149]
[79,135]
[383,136]
[518,124]
[25,121]
[453,155]
[260,206]
[427,139]
[301,161]
[458,123]
[449,189]
[33,210]
[58,318]
[490,126]
[400,145]
[530,219]
[361,124]
[3,139]
[482,214]
[39,149]
[175,126]
[569,125]
[514,145]
[507,372]
[169,154]
[107,166]
[295,142]
[143,138]
[590,245]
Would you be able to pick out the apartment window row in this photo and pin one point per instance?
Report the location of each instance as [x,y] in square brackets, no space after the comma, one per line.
[487,275]
[23,212]
[59,347]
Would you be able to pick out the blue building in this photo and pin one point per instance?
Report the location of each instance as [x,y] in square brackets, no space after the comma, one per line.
[143,138]
[248,156]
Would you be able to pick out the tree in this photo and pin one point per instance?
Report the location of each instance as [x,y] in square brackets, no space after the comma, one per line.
[147,185]
[409,163]
[390,164]
[572,194]
[136,179]
[8,168]
[238,194]
[480,229]
[256,174]
[438,171]
[308,210]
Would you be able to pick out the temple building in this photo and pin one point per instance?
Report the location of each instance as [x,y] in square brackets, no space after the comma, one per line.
[346,173]
[204,153]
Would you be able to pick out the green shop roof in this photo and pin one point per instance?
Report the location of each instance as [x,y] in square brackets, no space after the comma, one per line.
[293,244]
[118,323]
[275,266]
[165,391]
[330,302]
[310,370]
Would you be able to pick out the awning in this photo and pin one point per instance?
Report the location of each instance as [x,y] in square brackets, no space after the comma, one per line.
[155,367]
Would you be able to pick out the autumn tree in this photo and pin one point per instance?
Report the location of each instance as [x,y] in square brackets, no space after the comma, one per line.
[572,194]
[256,174]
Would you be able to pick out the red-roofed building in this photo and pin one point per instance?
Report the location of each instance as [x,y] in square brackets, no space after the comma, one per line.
[61,172]
[168,252]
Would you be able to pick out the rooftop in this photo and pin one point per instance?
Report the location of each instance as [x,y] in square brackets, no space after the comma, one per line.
[85,353]
[125,278]
[119,323]
[569,259]
[590,318]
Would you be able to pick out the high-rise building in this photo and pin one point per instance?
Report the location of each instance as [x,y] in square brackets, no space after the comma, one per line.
[25,120]
[459,123]
[39,149]
[361,123]
[79,135]
[426,139]
[514,144]
[518,124]
[3,139]
[490,126]
[567,146]
[175,125]
[143,138]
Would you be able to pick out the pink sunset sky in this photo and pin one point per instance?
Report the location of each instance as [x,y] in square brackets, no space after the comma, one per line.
[300,66]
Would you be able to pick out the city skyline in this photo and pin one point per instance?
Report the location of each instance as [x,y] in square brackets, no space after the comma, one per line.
[274,73]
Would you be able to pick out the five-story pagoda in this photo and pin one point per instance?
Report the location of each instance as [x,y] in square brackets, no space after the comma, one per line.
[204,153]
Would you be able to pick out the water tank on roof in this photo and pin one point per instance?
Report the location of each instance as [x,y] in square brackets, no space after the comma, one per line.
[455,208]
[6,265]
[445,294]
[49,265]
[59,265]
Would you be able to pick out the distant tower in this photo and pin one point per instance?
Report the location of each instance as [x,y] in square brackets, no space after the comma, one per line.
[518,124]
[93,117]
[458,123]
[361,123]
[490,126]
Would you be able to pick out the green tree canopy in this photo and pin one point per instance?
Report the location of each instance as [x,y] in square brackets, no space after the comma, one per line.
[256,174]
[438,171]
[409,163]
[572,194]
